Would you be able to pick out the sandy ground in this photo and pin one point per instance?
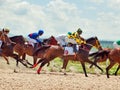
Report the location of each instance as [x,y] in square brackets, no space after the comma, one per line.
[27,79]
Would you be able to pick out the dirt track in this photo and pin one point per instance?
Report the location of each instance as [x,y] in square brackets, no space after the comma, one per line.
[27,79]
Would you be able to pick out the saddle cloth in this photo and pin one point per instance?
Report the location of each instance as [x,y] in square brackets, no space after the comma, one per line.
[68,51]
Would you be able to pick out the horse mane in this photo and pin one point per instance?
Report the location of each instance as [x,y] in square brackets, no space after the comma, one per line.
[91,38]
[18,39]
[51,40]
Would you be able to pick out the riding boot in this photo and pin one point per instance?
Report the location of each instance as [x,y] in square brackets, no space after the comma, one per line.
[35,48]
[0,50]
[74,48]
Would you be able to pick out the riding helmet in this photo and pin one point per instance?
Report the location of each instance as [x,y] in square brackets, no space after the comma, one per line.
[6,29]
[69,33]
[79,31]
[40,32]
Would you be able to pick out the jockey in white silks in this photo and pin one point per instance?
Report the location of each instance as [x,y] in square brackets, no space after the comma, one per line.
[116,44]
[61,39]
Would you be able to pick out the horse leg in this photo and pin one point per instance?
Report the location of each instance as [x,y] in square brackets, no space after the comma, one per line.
[5,58]
[23,56]
[94,64]
[16,57]
[42,64]
[34,59]
[84,69]
[37,63]
[95,61]
[117,70]
[65,62]
[109,67]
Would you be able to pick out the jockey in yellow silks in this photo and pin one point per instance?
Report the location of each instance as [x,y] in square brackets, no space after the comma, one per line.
[76,36]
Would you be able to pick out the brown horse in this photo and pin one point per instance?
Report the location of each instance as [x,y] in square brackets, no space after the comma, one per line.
[22,49]
[82,54]
[19,47]
[113,55]
[8,49]
[57,51]
[98,56]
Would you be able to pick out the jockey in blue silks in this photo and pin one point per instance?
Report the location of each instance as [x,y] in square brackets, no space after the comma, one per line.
[33,38]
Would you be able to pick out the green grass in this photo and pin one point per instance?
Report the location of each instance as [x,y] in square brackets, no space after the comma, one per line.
[57,63]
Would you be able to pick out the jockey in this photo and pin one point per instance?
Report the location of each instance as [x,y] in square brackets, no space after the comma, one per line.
[76,39]
[116,44]
[76,36]
[4,37]
[61,40]
[33,38]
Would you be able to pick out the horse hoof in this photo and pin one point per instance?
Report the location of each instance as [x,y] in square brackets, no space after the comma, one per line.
[30,67]
[8,63]
[38,72]
[15,71]
[65,73]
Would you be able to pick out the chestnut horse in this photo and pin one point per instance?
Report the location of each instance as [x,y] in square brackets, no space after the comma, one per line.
[22,49]
[8,49]
[57,51]
[112,54]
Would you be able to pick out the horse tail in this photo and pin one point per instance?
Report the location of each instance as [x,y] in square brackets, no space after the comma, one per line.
[94,53]
[100,53]
[43,48]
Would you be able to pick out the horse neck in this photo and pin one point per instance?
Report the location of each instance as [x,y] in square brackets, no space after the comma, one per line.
[52,41]
[4,38]
[94,42]
[88,47]
[18,39]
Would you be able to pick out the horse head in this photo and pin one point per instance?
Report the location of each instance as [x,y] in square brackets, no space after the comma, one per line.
[50,41]
[95,42]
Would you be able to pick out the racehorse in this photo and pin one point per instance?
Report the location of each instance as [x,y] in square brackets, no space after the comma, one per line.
[22,49]
[19,47]
[8,49]
[57,51]
[96,55]
[114,57]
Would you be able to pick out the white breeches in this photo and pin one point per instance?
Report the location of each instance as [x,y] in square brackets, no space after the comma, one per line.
[31,41]
[68,40]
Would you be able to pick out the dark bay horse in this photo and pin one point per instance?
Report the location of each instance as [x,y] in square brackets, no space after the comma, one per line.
[57,51]
[112,54]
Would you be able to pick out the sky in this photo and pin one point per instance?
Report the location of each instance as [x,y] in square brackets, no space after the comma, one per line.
[99,18]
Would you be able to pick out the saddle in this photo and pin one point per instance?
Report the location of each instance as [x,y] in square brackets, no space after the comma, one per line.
[41,48]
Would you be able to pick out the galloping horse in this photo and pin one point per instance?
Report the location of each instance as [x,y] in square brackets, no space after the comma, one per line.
[57,51]
[112,54]
[98,56]
[19,47]
[22,49]
[8,50]
[83,54]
